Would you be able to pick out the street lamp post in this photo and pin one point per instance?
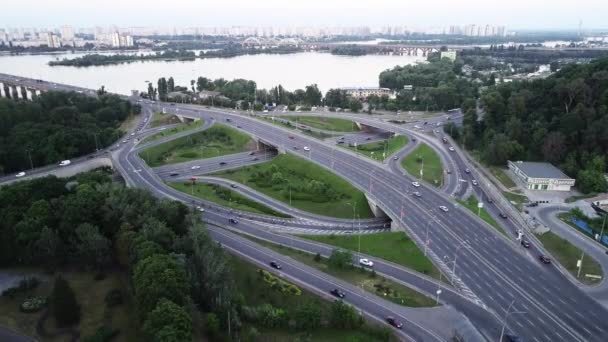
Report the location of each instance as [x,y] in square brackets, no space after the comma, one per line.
[504,323]
[438,288]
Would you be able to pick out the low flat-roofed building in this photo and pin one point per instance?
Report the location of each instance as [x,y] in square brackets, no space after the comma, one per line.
[365,92]
[541,176]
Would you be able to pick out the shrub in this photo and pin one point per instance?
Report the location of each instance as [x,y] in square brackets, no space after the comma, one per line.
[213,325]
[340,259]
[33,304]
[279,284]
[64,307]
[317,257]
[102,334]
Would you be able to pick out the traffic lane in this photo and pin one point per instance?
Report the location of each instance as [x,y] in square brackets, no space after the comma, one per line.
[323,283]
[209,165]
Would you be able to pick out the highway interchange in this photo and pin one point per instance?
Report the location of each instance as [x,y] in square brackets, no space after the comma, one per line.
[492,272]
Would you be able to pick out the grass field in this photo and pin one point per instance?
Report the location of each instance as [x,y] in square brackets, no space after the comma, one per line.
[516,199]
[318,135]
[328,124]
[129,123]
[177,129]
[224,197]
[216,141]
[90,295]
[357,276]
[297,173]
[394,246]
[160,119]
[471,204]
[433,170]
[501,175]
[256,292]
[374,150]
[567,255]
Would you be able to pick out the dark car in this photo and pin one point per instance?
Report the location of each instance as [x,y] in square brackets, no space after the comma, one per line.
[413,139]
[489,200]
[233,221]
[340,142]
[256,159]
[234,186]
[337,293]
[276,265]
[394,322]
[223,163]
[544,259]
[511,338]
[503,215]
[251,153]
[173,174]
[525,243]
[295,148]
[368,138]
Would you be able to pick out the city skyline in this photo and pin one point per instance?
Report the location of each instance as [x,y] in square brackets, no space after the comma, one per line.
[519,14]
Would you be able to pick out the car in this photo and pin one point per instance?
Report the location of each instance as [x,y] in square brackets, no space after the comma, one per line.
[467,170]
[124,141]
[223,163]
[368,138]
[291,137]
[366,262]
[426,123]
[544,259]
[275,264]
[296,148]
[65,163]
[444,208]
[503,215]
[417,194]
[172,104]
[416,184]
[132,134]
[395,158]
[251,153]
[195,167]
[255,159]
[233,221]
[474,182]
[199,208]
[306,148]
[20,174]
[340,142]
[234,186]
[173,174]
[341,138]
[392,321]
[228,120]
[511,338]
[237,126]
[414,139]
[451,149]
[525,243]
[448,171]
[337,293]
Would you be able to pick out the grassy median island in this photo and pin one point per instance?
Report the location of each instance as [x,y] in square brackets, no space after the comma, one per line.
[218,140]
[433,170]
[257,293]
[314,134]
[368,280]
[567,254]
[471,204]
[328,124]
[161,119]
[375,150]
[225,197]
[174,130]
[396,247]
[313,188]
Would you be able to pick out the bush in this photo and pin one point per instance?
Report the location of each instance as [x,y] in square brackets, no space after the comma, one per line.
[113,298]
[340,259]
[102,334]
[317,257]
[213,325]
[33,304]
[279,284]
[64,307]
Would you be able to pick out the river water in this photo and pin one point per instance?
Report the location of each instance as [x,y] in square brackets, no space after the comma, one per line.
[293,71]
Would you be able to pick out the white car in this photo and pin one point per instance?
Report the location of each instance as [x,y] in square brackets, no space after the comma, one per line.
[416,184]
[366,262]
[20,174]
[195,167]
[306,148]
[65,163]
[467,170]
[474,182]
[444,208]
[199,208]
[451,148]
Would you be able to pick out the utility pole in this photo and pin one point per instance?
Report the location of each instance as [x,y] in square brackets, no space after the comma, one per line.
[603,226]
[29,154]
[579,263]
[504,323]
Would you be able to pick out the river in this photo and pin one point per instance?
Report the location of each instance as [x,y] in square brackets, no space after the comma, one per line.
[293,71]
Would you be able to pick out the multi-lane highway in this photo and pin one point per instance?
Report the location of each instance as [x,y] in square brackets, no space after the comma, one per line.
[485,267]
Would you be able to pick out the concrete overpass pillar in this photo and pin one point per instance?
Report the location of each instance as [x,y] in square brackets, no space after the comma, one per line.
[23,92]
[2,89]
[14,92]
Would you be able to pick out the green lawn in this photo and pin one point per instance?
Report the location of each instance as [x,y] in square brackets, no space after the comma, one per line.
[501,175]
[313,188]
[160,119]
[433,170]
[394,246]
[257,292]
[375,150]
[516,199]
[224,197]
[329,124]
[357,276]
[177,129]
[218,140]
[567,254]
[471,204]
[90,294]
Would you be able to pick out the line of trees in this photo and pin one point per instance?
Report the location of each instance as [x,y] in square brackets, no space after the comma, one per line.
[57,126]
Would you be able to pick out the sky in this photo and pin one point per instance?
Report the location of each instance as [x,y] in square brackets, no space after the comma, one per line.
[532,14]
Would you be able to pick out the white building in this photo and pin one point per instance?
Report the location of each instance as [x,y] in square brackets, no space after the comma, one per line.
[67,33]
[52,40]
[365,92]
[121,40]
[541,176]
[451,55]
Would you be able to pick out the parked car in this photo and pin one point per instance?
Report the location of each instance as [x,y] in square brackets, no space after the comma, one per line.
[366,262]
[337,293]
[392,321]
[544,259]
[276,265]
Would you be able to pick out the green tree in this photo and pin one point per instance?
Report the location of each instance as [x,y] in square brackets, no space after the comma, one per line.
[355,105]
[63,304]
[344,316]
[170,84]
[92,247]
[168,322]
[212,325]
[340,259]
[312,95]
[308,316]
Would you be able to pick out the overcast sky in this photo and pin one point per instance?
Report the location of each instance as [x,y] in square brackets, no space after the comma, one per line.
[420,13]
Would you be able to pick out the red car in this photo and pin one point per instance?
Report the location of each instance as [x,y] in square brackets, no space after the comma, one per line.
[291,137]
[394,322]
